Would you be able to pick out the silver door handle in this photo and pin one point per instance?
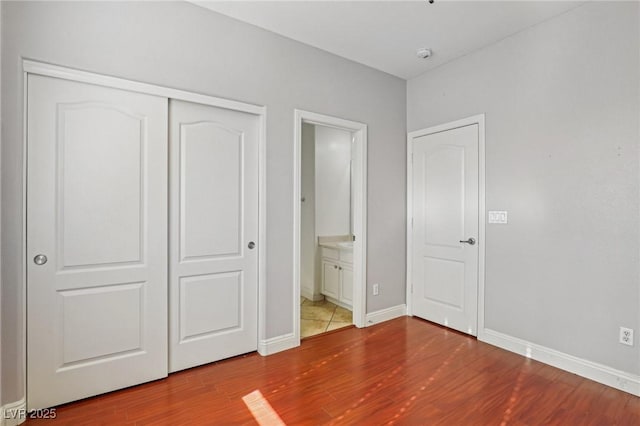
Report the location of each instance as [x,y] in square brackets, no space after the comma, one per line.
[251,245]
[470,241]
[40,259]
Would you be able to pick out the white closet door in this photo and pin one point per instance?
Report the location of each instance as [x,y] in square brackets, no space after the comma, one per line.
[96,212]
[213,234]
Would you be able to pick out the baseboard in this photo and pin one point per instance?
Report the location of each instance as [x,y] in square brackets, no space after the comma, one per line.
[308,294]
[14,413]
[277,344]
[339,303]
[591,370]
[385,314]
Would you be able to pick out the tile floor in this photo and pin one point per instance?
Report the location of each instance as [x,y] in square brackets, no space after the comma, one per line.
[318,317]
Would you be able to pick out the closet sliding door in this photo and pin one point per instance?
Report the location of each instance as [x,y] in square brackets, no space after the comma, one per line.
[96,240]
[142,237]
[213,269]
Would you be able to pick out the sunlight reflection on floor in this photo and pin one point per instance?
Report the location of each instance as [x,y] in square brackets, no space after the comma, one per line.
[513,399]
[261,409]
[426,384]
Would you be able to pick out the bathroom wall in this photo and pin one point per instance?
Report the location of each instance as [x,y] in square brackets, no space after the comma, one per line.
[333,181]
[326,189]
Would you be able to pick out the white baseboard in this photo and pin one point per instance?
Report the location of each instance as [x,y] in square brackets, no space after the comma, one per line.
[385,314]
[309,294]
[591,370]
[339,303]
[14,413]
[277,344]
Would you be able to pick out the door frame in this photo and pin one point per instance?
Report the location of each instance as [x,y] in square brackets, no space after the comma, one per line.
[44,69]
[359,188]
[411,136]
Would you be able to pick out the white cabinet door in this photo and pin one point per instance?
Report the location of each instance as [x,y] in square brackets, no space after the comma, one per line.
[214,231]
[346,285]
[330,279]
[96,208]
[445,216]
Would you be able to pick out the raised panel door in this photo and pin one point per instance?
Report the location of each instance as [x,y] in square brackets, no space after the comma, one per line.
[96,208]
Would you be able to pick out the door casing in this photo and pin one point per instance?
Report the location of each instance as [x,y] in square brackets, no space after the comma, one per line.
[40,68]
[359,188]
[479,120]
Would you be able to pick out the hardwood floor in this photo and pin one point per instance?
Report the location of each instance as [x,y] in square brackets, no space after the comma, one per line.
[404,372]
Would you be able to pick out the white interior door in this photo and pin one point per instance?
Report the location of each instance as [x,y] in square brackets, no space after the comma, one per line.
[445,228]
[96,208]
[214,231]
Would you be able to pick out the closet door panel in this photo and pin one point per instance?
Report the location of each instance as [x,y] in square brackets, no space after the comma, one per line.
[96,240]
[211,189]
[214,230]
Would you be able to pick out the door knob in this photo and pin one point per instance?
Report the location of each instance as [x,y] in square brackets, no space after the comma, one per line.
[251,245]
[470,241]
[40,259]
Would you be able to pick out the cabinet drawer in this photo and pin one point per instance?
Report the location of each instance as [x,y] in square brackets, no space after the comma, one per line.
[330,253]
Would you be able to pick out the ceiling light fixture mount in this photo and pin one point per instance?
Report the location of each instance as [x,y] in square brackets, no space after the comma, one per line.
[424,53]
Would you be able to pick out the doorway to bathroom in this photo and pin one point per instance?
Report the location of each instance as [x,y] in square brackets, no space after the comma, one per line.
[329,224]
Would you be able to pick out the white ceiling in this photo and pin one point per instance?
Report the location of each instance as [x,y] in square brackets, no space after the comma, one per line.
[386,34]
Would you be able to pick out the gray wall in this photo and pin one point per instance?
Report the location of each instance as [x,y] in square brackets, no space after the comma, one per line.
[183,46]
[332,181]
[562,105]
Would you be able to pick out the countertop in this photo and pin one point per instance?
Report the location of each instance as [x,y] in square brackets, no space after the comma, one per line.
[338,245]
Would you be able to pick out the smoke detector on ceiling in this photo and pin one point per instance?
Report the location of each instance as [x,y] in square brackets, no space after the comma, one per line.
[424,53]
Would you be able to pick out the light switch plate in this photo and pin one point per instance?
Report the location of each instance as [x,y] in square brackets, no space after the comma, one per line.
[496,216]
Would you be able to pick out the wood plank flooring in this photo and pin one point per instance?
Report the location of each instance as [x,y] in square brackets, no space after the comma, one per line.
[403,372]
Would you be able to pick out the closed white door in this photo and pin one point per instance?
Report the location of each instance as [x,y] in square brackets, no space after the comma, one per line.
[213,233]
[96,240]
[445,228]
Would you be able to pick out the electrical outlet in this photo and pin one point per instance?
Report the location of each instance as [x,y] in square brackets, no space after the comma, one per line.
[626,336]
[376,289]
